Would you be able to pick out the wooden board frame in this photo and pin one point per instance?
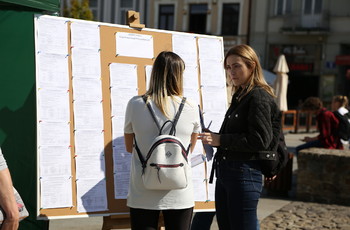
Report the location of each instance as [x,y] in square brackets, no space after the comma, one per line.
[162,41]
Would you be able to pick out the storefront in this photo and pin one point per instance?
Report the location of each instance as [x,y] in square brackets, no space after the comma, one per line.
[304,70]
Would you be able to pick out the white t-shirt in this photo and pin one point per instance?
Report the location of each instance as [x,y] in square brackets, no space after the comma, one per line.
[342,111]
[139,121]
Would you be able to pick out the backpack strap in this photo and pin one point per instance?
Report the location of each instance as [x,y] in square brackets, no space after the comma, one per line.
[173,130]
[144,97]
[142,160]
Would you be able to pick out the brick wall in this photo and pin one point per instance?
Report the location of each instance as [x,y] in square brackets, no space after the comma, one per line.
[324,176]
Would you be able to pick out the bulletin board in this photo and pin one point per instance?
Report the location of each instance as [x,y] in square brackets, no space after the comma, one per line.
[63,60]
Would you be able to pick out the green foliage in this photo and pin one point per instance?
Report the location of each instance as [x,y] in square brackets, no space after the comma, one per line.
[79,10]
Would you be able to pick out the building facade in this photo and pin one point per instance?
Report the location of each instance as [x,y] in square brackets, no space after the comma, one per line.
[114,11]
[314,35]
[227,18]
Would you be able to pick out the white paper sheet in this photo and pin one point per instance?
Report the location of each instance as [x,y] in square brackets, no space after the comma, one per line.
[214,106]
[52,35]
[85,62]
[92,166]
[123,75]
[119,100]
[85,35]
[87,89]
[148,71]
[56,192]
[191,85]
[199,182]
[53,105]
[91,195]
[186,47]
[53,134]
[121,168]
[212,73]
[55,161]
[134,45]
[117,127]
[210,48]
[89,142]
[52,71]
[88,115]
[211,187]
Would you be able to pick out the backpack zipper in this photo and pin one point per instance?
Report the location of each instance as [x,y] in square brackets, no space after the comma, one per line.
[159,166]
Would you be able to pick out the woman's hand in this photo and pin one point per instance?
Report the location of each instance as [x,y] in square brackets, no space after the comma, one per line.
[11,223]
[212,139]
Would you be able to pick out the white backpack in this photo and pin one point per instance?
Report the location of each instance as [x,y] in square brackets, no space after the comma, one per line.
[166,163]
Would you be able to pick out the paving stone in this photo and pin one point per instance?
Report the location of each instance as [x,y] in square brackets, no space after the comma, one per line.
[308,216]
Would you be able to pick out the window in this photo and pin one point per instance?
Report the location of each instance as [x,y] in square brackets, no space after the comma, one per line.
[125,5]
[166,17]
[94,8]
[198,18]
[312,6]
[283,7]
[230,19]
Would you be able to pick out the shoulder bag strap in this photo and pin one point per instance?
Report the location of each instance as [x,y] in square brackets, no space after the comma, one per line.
[177,116]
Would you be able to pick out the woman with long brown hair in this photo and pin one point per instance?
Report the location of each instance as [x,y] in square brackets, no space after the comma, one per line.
[248,129]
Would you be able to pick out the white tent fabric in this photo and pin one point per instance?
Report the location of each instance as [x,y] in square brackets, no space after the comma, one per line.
[281,82]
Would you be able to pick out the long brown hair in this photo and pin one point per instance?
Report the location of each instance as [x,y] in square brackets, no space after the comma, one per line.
[251,60]
[166,79]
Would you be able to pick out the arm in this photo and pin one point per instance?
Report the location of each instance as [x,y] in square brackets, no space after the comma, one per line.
[193,141]
[129,141]
[8,201]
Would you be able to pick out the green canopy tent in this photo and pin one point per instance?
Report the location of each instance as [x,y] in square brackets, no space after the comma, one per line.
[17,97]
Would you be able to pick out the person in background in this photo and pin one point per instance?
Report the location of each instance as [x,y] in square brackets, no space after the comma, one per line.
[327,124]
[165,94]
[7,198]
[340,104]
[251,125]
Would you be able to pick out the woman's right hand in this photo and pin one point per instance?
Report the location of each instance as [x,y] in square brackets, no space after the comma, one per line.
[209,138]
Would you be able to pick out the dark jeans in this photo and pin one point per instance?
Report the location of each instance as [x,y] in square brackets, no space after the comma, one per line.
[237,193]
[174,219]
[307,145]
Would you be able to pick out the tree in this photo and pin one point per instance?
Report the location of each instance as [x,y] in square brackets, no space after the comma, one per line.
[79,10]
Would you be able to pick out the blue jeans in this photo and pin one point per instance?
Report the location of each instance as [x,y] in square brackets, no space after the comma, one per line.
[237,192]
[307,145]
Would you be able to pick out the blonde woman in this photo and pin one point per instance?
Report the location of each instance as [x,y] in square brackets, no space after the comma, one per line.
[164,95]
[246,130]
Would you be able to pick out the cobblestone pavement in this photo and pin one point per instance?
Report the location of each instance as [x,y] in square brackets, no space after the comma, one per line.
[308,216]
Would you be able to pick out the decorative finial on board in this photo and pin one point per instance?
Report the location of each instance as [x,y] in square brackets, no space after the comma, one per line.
[133,19]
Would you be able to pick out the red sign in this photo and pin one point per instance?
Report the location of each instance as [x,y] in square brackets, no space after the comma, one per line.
[342,60]
[301,67]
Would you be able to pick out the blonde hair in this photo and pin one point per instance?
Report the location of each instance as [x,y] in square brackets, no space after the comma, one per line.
[166,79]
[343,100]
[251,60]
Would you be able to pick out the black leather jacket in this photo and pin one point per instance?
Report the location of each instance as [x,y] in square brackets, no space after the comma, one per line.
[247,131]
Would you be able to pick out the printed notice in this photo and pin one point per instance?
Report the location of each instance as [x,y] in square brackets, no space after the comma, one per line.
[134,45]
[56,192]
